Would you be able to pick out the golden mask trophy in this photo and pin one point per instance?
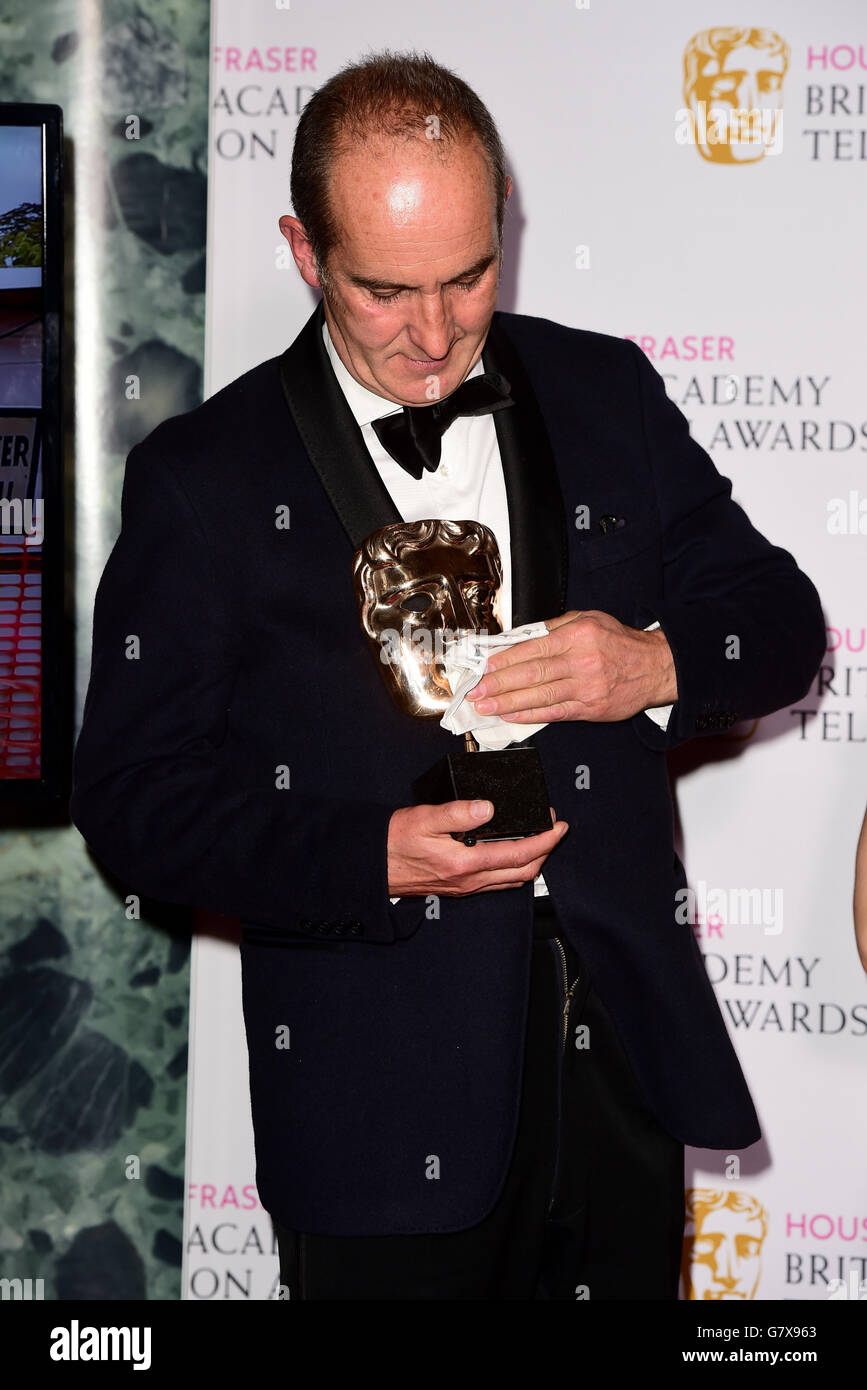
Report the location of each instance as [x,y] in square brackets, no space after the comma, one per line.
[419,586]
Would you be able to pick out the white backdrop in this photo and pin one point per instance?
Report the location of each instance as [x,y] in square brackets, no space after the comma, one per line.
[742,283]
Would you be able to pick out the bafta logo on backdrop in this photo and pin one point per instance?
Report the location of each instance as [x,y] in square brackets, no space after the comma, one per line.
[733,89]
[722,1245]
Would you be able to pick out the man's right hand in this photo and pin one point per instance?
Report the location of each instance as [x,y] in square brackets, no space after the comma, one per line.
[423,858]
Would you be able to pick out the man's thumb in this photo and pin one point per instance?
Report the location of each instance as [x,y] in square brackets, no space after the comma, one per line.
[463,815]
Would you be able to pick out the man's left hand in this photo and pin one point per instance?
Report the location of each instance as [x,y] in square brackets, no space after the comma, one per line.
[590,666]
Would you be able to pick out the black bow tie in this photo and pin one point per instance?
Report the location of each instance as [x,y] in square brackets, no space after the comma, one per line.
[414,437]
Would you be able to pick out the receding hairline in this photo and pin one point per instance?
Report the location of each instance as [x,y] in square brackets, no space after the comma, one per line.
[381,145]
[377,146]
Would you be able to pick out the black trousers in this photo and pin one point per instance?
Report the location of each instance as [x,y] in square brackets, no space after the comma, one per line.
[592,1206]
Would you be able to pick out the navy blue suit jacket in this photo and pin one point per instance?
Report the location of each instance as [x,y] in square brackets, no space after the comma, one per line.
[407,1030]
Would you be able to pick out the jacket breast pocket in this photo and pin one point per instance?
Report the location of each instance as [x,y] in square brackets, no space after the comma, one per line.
[621,570]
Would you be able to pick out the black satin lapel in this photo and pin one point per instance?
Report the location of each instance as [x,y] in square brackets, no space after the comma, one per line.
[331,436]
[537,517]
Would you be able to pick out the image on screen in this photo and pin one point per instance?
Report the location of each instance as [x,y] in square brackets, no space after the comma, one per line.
[21,490]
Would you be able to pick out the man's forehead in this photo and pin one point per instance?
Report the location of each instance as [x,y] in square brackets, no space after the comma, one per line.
[401,183]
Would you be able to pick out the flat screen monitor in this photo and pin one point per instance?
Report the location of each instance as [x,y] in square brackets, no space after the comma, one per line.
[34,694]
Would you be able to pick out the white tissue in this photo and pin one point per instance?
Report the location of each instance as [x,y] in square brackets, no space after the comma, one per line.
[465,660]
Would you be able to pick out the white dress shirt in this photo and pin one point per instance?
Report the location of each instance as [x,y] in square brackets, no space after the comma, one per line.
[468,485]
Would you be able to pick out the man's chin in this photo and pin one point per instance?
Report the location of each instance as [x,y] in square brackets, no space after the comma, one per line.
[409,377]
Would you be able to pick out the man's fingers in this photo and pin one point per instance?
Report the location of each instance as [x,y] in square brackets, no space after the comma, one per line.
[541,705]
[426,856]
[505,878]
[528,691]
[536,671]
[541,648]
[537,646]
[532,649]
[508,856]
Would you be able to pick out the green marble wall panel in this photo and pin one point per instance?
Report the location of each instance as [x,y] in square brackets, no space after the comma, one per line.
[94,1000]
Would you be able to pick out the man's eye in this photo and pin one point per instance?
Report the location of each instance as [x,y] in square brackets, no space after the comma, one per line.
[390,298]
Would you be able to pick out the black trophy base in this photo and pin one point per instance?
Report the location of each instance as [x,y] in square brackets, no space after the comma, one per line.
[512,779]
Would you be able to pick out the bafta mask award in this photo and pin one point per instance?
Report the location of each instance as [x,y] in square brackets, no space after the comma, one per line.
[420,586]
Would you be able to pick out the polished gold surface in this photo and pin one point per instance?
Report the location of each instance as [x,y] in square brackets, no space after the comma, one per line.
[419,584]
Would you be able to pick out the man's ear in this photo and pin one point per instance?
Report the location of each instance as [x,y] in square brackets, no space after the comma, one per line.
[302,250]
[508,187]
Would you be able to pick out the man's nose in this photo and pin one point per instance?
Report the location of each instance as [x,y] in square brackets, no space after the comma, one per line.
[431,326]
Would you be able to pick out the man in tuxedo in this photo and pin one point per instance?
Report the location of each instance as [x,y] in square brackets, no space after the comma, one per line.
[497,1050]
